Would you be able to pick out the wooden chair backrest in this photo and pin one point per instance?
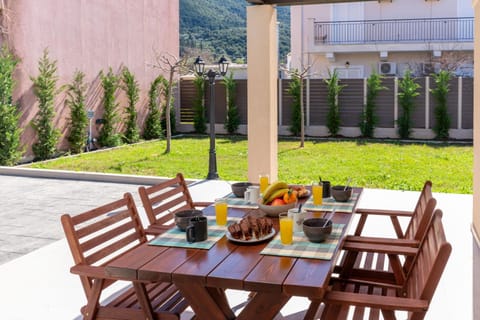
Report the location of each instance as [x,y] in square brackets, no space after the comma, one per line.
[101,234]
[422,214]
[430,261]
[162,200]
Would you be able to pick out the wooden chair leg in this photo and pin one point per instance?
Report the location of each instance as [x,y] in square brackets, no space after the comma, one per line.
[312,310]
[93,299]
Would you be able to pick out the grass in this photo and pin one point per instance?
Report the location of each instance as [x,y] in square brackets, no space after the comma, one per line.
[383,165]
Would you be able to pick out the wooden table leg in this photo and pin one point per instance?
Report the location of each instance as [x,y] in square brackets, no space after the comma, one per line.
[203,301]
[144,300]
[264,306]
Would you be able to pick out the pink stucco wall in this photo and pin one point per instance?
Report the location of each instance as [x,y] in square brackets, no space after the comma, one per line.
[89,35]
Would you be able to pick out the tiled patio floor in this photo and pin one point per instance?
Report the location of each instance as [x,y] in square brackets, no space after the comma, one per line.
[38,285]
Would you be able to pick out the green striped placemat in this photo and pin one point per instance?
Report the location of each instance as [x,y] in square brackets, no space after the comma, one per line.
[235,202]
[328,204]
[177,238]
[302,248]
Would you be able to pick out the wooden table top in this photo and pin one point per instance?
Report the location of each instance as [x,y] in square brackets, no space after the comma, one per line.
[228,265]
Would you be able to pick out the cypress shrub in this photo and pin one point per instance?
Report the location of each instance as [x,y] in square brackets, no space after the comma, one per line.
[78,122]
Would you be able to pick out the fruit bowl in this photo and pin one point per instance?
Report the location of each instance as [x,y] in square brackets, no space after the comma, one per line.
[274,211]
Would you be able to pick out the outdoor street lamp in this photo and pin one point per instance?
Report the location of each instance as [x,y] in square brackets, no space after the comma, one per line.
[211,74]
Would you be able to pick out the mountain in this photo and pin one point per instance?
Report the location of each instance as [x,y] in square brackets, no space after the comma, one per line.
[219,27]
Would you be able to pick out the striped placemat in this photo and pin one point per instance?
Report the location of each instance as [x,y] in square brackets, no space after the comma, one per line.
[329,204]
[235,202]
[302,248]
[177,238]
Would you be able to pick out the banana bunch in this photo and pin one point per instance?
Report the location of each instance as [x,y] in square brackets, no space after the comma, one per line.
[275,190]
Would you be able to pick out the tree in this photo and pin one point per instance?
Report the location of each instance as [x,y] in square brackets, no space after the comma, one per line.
[299,78]
[131,88]
[232,120]
[199,118]
[45,89]
[9,129]
[369,118]
[440,93]
[153,127]
[164,94]
[108,136]
[78,121]
[408,91]
[294,91]
[334,89]
[171,64]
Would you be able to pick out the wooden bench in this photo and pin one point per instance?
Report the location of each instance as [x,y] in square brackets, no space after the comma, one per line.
[162,200]
[100,235]
[413,296]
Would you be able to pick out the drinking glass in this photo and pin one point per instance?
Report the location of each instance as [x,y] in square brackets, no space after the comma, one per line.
[317,191]
[221,212]
[286,228]
[263,180]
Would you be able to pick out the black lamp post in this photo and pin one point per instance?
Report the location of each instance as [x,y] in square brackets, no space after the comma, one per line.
[211,74]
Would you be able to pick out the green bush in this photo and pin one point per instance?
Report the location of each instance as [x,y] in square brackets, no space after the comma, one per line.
[108,137]
[199,118]
[153,126]
[132,89]
[334,89]
[45,89]
[78,122]
[232,120]
[164,95]
[369,118]
[294,91]
[408,91]
[10,131]
[440,93]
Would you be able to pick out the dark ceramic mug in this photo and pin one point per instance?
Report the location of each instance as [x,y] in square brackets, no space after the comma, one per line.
[326,189]
[197,229]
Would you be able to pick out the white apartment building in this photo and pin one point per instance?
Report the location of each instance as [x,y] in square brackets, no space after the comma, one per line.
[388,36]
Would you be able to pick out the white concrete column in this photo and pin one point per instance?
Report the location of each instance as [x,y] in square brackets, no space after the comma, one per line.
[262,57]
[476,164]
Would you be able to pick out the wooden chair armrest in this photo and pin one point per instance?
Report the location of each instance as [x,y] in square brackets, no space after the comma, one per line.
[380,302]
[383,212]
[379,248]
[89,271]
[386,241]
[369,280]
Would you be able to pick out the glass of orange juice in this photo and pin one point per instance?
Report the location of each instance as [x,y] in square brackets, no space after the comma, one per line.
[286,228]
[221,212]
[263,181]
[317,191]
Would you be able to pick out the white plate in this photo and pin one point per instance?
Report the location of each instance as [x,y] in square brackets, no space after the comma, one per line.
[253,240]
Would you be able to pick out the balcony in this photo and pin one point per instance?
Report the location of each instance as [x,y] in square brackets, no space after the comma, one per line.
[440,30]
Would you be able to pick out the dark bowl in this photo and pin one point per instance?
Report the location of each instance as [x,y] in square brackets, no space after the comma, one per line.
[182,218]
[239,188]
[315,230]
[341,195]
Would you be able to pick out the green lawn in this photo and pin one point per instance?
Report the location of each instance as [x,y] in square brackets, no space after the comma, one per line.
[382,165]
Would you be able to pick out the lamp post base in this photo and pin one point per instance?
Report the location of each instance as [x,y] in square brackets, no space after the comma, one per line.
[212,166]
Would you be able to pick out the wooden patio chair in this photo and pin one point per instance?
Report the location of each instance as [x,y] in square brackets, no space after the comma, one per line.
[100,235]
[360,265]
[162,200]
[413,297]
[422,202]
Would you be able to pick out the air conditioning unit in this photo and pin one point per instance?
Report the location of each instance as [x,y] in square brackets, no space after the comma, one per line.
[387,68]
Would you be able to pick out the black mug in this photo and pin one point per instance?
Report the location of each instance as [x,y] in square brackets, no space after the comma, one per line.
[326,189]
[197,229]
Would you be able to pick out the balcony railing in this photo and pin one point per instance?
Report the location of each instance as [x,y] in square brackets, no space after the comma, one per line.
[391,31]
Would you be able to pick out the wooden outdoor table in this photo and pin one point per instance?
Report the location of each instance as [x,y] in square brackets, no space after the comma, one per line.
[203,275]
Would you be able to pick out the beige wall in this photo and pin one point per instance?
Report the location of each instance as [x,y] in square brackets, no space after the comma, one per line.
[302,37]
[89,35]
